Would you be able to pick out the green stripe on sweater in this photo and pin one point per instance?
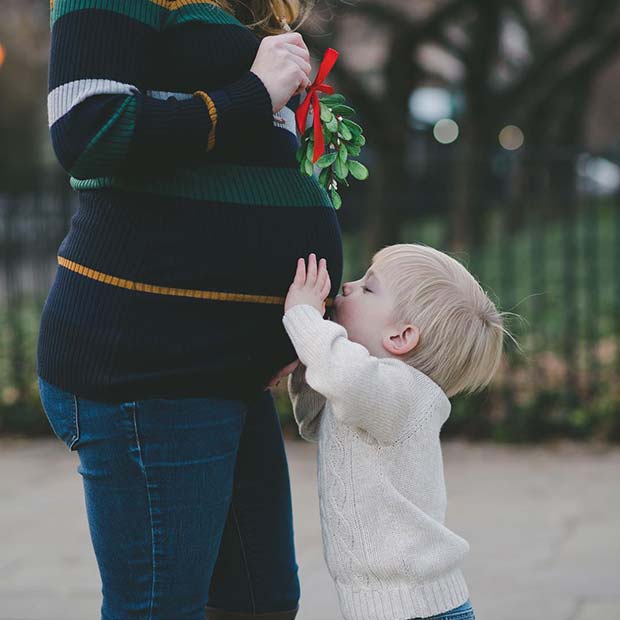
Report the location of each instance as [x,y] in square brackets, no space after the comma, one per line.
[206,13]
[143,11]
[246,185]
[148,13]
[110,144]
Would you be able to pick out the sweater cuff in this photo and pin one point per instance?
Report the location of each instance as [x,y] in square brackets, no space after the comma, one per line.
[249,95]
[236,110]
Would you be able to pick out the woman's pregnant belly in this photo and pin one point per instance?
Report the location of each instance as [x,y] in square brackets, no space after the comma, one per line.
[171,337]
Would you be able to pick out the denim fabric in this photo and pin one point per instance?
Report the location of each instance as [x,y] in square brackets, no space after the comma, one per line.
[463,612]
[188,503]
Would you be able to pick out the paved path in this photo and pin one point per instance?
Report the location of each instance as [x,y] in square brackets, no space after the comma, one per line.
[543,524]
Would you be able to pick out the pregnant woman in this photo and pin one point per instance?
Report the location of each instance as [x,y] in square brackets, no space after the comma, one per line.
[162,329]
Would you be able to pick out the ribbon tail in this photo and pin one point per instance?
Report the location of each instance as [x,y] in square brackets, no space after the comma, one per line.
[301,114]
[319,142]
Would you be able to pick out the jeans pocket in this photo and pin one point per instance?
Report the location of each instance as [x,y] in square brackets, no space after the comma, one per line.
[61,410]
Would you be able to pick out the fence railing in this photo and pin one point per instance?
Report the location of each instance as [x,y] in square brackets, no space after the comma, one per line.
[558,270]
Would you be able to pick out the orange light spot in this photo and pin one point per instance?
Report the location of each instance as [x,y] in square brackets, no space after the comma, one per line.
[2,54]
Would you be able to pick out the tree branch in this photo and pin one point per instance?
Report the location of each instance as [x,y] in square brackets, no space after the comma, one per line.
[546,67]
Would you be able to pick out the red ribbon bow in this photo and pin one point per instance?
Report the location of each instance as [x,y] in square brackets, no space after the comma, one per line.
[312,99]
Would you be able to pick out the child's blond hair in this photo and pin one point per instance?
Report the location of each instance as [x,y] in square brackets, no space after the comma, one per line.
[461,330]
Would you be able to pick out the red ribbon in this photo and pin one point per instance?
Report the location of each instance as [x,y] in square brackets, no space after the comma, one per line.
[312,99]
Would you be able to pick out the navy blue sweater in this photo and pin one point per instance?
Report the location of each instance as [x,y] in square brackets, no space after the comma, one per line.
[192,214]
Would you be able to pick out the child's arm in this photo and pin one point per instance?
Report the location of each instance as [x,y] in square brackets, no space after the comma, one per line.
[307,404]
[369,393]
[366,392]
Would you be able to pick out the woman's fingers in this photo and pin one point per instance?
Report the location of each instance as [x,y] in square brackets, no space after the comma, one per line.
[298,51]
[303,65]
[294,38]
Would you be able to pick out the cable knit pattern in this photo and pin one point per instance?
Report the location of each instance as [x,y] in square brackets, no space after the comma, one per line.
[380,474]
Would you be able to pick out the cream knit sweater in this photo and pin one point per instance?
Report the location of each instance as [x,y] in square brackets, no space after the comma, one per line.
[380,474]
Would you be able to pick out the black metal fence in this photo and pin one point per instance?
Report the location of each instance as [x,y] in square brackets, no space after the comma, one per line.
[558,268]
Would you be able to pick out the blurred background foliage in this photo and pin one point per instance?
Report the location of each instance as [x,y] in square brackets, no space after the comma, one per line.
[493,132]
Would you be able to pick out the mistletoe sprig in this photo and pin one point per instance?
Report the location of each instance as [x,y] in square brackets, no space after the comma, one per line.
[343,140]
[333,139]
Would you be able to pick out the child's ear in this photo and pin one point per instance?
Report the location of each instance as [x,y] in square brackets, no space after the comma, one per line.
[402,339]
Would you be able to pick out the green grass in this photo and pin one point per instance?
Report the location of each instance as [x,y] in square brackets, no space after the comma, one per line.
[560,291]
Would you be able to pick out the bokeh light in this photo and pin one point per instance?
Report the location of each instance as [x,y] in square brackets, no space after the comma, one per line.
[511,138]
[446,131]
[429,104]
[2,55]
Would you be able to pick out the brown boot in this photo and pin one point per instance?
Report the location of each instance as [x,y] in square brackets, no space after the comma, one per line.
[220,614]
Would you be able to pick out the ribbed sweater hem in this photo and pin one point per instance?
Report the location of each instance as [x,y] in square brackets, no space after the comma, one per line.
[404,602]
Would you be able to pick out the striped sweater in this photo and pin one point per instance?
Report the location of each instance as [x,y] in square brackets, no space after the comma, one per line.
[192,213]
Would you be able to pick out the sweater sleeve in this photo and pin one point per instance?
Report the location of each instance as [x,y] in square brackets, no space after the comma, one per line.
[100,116]
[377,395]
[307,404]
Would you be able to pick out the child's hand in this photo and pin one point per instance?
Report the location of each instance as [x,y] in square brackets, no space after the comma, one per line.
[311,287]
[284,372]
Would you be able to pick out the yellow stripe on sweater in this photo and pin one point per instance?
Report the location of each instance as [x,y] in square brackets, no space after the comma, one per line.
[167,290]
[174,5]
[212,114]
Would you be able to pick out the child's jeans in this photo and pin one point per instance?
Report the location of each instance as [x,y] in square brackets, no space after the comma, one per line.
[464,612]
[188,503]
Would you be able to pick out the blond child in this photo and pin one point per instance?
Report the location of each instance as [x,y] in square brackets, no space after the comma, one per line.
[372,388]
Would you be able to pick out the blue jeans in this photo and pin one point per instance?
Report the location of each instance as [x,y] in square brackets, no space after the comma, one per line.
[188,503]
[463,612]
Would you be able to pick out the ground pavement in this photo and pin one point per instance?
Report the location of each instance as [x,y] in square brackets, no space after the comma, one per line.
[543,524]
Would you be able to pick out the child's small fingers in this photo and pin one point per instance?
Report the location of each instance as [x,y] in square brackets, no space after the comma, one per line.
[322,274]
[327,285]
[312,270]
[300,273]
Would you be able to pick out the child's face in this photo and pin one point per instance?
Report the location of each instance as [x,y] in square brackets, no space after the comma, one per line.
[366,309]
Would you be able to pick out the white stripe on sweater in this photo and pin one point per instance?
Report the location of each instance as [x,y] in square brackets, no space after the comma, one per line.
[64,98]
[165,95]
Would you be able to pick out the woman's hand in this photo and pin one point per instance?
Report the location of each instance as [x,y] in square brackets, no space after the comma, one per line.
[283,65]
[311,287]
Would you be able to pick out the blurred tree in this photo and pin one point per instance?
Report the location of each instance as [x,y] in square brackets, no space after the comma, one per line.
[24,36]
[530,63]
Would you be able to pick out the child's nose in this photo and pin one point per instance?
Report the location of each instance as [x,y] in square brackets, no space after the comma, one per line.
[345,288]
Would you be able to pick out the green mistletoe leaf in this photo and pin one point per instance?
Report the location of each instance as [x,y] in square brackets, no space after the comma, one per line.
[358,170]
[336,200]
[327,160]
[353,150]
[326,113]
[332,100]
[324,177]
[345,133]
[309,168]
[332,125]
[343,153]
[343,110]
[354,128]
[341,170]
[310,150]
